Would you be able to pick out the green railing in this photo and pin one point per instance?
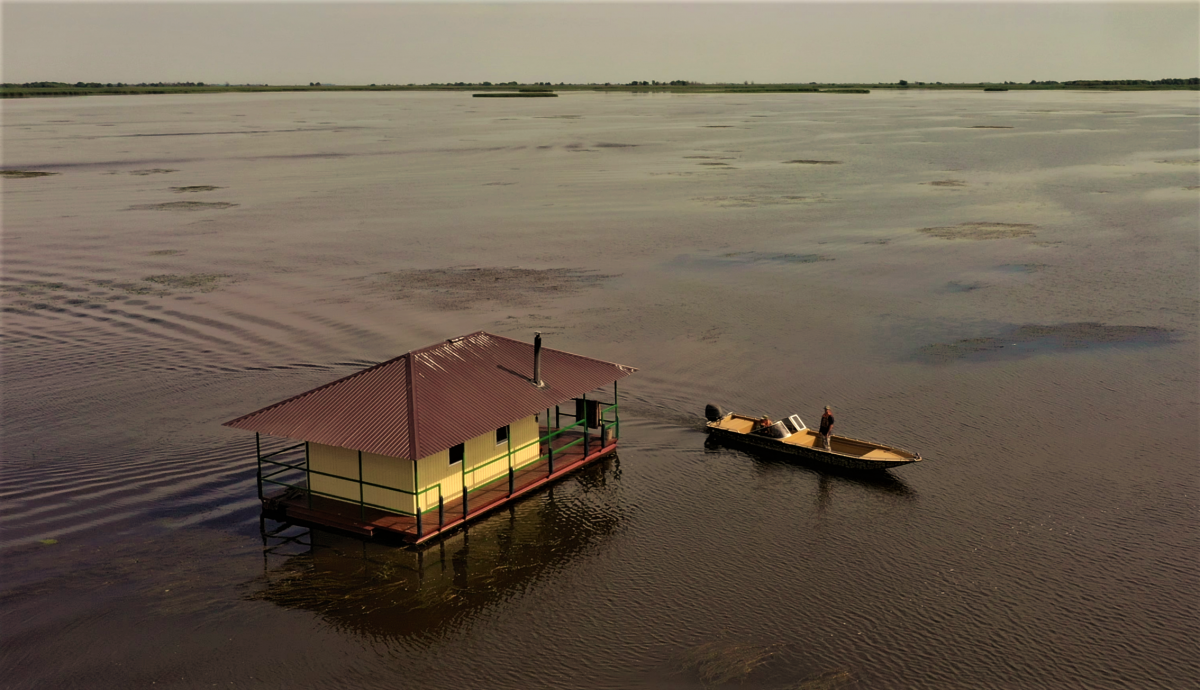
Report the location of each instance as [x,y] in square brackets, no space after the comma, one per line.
[419,496]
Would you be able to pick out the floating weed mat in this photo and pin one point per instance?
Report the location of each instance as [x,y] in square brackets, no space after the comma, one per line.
[153,171]
[947,183]
[721,662]
[462,288]
[183,206]
[1027,340]
[755,257]
[196,188]
[755,200]
[25,173]
[804,161]
[1180,161]
[194,282]
[166,252]
[990,127]
[981,231]
[830,680]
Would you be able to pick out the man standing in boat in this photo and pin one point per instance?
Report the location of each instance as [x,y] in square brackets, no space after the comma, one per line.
[826,428]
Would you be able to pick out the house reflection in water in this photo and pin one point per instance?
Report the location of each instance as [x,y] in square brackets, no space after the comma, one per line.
[387,591]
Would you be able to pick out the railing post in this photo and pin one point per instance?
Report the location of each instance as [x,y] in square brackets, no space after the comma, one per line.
[362,508]
[616,412]
[258,455]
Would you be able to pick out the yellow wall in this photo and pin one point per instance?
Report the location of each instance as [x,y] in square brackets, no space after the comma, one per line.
[432,470]
[378,469]
[478,451]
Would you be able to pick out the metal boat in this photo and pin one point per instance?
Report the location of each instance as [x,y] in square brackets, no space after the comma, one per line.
[789,436]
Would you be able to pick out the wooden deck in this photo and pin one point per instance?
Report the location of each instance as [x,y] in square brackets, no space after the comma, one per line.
[294,506]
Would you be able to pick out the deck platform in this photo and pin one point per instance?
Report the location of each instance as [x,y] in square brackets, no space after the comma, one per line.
[297,507]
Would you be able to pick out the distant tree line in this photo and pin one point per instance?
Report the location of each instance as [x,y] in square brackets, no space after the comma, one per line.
[1130,82]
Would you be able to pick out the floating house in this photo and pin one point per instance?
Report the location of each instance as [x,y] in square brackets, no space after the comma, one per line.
[425,442]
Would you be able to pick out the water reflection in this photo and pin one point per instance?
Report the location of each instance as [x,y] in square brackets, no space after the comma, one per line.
[379,590]
[827,476]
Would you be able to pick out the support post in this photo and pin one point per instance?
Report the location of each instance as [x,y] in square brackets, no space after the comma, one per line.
[549,444]
[416,489]
[463,467]
[441,509]
[586,422]
[616,412]
[258,455]
[307,476]
[362,508]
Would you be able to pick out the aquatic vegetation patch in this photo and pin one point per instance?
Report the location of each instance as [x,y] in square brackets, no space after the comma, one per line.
[616,146]
[32,287]
[1180,161]
[990,127]
[947,183]
[461,288]
[166,252]
[1030,339]
[196,188]
[980,231]
[755,257]
[755,200]
[720,662]
[194,282]
[955,286]
[152,171]
[183,206]
[825,681]
[803,161]
[20,174]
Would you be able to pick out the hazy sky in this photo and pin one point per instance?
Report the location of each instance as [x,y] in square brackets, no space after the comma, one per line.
[362,43]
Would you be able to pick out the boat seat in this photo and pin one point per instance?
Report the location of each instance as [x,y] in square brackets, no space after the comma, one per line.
[881,454]
[741,426]
[804,438]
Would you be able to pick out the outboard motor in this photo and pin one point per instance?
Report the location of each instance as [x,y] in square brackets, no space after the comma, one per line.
[713,412]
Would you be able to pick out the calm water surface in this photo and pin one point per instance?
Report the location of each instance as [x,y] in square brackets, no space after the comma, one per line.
[1005,282]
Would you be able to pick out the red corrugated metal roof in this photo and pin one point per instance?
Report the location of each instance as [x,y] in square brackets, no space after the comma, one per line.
[431,399]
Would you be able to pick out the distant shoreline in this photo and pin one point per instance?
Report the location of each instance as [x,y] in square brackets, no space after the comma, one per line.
[56,89]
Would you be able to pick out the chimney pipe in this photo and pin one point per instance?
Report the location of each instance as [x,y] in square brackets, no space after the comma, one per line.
[537,359]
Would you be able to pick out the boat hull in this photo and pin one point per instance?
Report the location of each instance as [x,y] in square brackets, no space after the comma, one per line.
[815,455]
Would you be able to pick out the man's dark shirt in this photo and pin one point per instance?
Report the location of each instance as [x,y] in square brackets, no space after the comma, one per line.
[826,422]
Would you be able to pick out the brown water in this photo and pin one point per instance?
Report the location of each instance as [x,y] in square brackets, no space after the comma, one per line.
[1006,283]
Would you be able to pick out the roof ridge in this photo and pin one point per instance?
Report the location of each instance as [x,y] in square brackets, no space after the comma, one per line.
[410,390]
[298,396]
[572,354]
